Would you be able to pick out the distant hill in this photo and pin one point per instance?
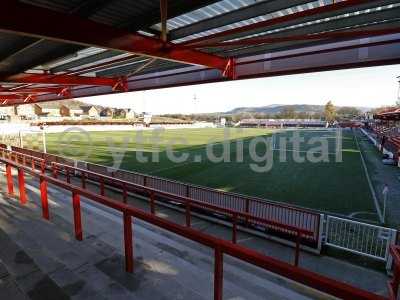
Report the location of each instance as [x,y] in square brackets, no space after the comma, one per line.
[72,104]
[278,108]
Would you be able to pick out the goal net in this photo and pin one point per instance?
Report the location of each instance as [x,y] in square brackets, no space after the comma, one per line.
[32,139]
[21,137]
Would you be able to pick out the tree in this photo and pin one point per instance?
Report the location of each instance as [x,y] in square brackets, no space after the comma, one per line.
[287,112]
[348,112]
[330,112]
[306,115]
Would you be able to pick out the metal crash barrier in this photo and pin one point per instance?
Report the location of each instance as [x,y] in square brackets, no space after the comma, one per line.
[343,233]
[37,168]
[234,217]
[260,209]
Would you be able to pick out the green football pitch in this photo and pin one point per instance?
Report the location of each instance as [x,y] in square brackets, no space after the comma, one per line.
[328,185]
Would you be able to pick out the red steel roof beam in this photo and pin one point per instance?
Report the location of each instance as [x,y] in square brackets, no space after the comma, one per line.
[302,14]
[11,97]
[316,36]
[59,79]
[16,17]
[32,91]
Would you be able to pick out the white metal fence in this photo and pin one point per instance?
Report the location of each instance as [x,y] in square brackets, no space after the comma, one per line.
[357,237]
[361,238]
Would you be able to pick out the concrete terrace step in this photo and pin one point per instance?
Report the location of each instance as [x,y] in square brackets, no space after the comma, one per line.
[21,277]
[166,266]
[62,259]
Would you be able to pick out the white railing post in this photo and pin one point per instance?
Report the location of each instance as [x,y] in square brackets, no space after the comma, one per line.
[346,234]
[391,240]
[321,232]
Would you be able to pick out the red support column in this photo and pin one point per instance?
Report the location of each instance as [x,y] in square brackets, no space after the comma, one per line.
[32,164]
[297,253]
[187,191]
[83,178]
[247,209]
[43,166]
[152,203]
[124,192]
[128,241]
[218,274]
[188,218]
[393,285]
[67,174]
[44,198]
[102,186]
[54,170]
[77,216]
[21,185]
[395,282]
[10,184]
[234,228]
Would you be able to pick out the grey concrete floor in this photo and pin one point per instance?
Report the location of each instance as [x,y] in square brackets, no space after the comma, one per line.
[381,174]
[166,266]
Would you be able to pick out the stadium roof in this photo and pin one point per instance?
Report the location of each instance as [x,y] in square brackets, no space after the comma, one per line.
[64,49]
[392,114]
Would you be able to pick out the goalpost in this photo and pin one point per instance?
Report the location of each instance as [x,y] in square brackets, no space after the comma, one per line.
[34,139]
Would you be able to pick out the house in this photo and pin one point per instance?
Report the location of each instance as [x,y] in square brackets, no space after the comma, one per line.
[124,113]
[130,114]
[147,118]
[107,112]
[90,111]
[71,109]
[25,111]
[119,113]
[47,109]
[6,113]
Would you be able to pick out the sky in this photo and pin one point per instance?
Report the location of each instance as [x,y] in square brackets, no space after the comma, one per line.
[366,87]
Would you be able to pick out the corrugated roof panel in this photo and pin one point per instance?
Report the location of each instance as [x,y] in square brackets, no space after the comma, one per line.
[206,12]
[254,20]
[80,54]
[120,12]
[338,17]
[58,5]
[20,54]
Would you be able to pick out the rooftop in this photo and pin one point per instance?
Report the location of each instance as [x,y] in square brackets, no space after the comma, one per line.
[50,58]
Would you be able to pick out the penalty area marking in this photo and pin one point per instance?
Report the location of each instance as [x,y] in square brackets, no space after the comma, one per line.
[245,239]
[353,214]
[304,151]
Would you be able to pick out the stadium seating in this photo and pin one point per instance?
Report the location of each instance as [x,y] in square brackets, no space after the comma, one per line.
[392,133]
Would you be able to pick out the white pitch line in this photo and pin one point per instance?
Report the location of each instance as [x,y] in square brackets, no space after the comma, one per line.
[304,151]
[245,239]
[171,167]
[371,187]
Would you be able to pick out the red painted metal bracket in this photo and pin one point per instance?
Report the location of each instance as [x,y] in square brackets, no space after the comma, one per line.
[230,69]
[121,85]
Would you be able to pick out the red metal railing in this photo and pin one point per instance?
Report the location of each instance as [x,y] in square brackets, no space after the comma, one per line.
[221,247]
[393,285]
[260,208]
[189,204]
